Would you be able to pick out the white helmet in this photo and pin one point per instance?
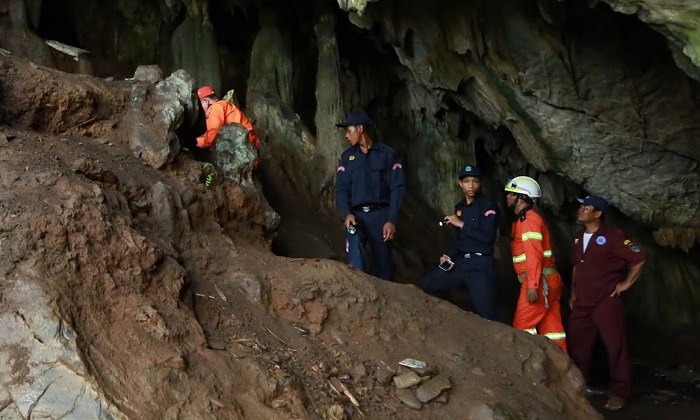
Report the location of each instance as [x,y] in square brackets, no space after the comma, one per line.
[524,185]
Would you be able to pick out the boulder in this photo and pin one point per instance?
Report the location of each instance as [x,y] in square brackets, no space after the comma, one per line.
[155,113]
[150,73]
[41,369]
[234,156]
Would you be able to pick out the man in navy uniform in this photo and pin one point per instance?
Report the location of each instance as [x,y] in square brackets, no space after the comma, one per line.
[369,191]
[606,264]
[472,253]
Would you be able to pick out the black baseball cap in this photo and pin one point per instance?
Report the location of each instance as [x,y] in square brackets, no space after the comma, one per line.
[469,170]
[593,200]
[355,118]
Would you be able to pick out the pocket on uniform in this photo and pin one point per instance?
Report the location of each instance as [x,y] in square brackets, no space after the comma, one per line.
[379,177]
[378,164]
[351,167]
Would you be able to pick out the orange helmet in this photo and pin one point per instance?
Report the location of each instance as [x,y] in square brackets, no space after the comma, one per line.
[205,91]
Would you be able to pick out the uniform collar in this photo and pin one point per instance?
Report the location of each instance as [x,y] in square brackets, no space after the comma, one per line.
[375,147]
[602,229]
[217,104]
[522,215]
[463,202]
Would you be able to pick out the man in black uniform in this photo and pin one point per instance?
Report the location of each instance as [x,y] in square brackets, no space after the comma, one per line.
[369,191]
[472,253]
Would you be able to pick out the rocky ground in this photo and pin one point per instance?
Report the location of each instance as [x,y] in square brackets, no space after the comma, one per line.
[130,289]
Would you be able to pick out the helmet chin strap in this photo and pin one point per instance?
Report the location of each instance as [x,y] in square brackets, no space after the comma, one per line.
[519,198]
[512,206]
[515,203]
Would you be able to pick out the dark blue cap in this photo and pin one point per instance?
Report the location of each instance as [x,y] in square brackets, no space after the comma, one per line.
[469,170]
[593,200]
[355,118]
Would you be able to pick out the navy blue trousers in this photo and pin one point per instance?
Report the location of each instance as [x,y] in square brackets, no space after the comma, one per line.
[476,274]
[370,227]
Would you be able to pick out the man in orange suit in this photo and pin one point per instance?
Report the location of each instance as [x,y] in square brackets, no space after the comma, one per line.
[218,113]
[538,310]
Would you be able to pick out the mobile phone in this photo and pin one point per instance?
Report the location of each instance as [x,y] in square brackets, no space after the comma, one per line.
[446,265]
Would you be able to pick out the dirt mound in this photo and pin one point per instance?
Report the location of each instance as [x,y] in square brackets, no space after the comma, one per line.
[179,309]
[51,101]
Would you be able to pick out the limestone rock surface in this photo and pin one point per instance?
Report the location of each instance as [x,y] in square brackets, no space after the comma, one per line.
[156,112]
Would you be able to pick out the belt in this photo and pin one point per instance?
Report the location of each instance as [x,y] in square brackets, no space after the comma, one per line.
[469,255]
[370,207]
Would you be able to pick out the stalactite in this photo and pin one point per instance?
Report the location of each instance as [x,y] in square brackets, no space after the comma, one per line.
[271,60]
[195,50]
[329,106]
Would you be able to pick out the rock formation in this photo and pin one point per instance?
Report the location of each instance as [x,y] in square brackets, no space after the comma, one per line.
[121,233]
[135,292]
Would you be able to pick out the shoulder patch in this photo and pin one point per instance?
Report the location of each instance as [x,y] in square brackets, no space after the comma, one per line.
[352,157]
[632,246]
[341,168]
[489,212]
[396,166]
[459,212]
[347,153]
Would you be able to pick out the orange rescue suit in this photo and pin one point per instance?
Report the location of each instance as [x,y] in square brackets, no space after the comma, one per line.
[220,113]
[532,255]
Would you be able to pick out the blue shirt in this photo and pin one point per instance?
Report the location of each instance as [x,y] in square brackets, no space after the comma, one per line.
[479,231]
[372,178]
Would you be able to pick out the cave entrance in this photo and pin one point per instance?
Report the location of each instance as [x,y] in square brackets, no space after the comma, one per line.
[55,22]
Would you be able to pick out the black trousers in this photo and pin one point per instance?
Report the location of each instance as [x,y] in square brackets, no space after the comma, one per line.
[370,228]
[476,274]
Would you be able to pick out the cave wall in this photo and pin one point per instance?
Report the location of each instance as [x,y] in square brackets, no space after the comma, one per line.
[590,97]
[16,35]
[677,20]
[611,79]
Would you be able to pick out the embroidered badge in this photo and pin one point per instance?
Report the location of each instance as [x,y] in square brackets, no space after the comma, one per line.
[600,240]
[396,166]
[459,212]
[634,248]
[489,212]
[352,157]
[341,168]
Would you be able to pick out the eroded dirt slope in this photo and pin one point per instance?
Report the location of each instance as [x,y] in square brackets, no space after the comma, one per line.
[178,309]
